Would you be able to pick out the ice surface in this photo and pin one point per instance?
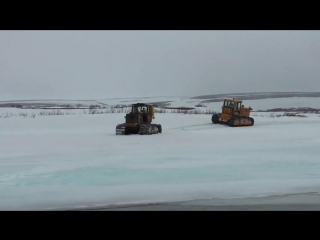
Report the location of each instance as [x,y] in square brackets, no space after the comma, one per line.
[52,162]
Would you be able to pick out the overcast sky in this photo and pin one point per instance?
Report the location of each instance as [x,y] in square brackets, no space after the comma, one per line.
[107,64]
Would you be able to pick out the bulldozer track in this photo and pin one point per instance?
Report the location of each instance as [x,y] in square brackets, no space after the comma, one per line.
[145,129]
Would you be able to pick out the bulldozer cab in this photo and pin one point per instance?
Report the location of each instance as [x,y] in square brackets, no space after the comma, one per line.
[235,107]
[232,105]
[140,112]
[138,109]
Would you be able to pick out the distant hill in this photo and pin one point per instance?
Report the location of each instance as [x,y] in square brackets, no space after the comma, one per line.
[259,101]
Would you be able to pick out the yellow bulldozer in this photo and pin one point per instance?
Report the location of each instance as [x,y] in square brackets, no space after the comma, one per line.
[138,121]
[233,114]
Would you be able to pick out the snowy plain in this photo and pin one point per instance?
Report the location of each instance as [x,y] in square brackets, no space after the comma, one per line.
[76,161]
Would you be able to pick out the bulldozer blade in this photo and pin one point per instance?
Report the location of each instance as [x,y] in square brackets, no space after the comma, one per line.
[149,129]
[120,130]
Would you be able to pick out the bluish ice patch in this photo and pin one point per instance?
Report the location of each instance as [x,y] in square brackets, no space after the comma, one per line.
[116,177]
[95,176]
[300,162]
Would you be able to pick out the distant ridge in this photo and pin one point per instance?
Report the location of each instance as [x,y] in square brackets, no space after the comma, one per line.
[179,102]
[256,96]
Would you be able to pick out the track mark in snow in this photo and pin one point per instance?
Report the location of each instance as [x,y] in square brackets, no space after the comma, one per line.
[188,126]
[285,122]
[206,126]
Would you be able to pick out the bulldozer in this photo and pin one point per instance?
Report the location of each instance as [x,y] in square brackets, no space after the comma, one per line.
[138,121]
[233,114]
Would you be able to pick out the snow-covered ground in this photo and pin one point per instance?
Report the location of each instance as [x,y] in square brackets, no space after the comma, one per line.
[61,161]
